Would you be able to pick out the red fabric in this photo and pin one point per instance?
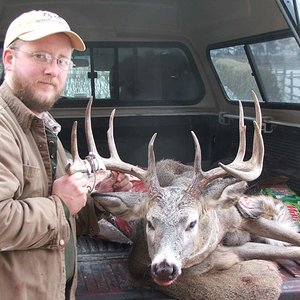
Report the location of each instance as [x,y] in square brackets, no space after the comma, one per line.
[138,186]
[121,224]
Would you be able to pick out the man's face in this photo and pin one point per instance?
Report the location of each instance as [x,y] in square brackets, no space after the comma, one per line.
[38,85]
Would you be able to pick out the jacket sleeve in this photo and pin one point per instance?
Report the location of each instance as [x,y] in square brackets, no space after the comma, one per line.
[29,217]
[32,223]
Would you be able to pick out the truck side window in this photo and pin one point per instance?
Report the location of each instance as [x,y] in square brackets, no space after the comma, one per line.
[270,68]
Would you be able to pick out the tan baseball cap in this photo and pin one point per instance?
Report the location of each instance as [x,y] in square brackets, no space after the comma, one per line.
[37,24]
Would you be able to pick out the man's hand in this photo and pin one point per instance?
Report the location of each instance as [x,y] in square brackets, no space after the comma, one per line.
[113,182]
[72,189]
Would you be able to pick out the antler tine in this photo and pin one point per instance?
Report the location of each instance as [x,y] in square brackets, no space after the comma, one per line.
[94,159]
[77,164]
[201,178]
[152,178]
[258,116]
[74,143]
[243,170]
[151,155]
[110,137]
[198,156]
[252,168]
[217,172]
[88,128]
[113,163]
[242,130]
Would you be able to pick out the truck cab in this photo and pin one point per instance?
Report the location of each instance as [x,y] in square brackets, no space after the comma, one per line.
[172,67]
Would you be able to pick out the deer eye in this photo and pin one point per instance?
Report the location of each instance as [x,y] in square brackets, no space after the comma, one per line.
[150,226]
[191,225]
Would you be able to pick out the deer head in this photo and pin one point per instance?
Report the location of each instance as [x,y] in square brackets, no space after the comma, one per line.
[185,221]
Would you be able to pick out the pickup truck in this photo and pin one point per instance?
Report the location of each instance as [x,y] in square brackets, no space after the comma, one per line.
[172,66]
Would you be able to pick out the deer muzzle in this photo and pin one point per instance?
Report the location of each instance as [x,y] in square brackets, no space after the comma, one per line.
[164,273]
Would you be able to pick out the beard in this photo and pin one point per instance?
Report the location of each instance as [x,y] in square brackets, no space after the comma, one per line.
[28,94]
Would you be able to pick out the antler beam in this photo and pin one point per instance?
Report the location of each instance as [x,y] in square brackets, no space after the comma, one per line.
[240,169]
[94,162]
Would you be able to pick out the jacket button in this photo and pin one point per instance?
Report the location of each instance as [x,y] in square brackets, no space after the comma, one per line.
[61,242]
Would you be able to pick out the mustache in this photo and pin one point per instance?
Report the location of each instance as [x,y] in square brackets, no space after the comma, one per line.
[50,81]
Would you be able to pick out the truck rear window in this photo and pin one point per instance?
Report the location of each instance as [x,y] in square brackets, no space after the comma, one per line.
[134,74]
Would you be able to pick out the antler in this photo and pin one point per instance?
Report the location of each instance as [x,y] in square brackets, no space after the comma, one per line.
[242,170]
[114,162]
[77,164]
[95,162]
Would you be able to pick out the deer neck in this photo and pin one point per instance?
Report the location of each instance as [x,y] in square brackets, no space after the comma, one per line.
[210,235]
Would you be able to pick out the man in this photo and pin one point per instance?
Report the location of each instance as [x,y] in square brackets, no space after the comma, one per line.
[38,201]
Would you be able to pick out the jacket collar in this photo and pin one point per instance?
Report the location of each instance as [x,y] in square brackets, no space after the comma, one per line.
[23,114]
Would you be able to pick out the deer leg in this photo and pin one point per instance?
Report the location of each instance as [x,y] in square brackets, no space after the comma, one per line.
[268,228]
[265,251]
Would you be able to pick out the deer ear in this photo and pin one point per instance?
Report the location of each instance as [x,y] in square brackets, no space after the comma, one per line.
[126,205]
[231,194]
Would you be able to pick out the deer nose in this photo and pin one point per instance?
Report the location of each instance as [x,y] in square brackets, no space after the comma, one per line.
[164,273]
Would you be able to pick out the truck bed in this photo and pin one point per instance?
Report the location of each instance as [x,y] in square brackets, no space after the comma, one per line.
[103,274]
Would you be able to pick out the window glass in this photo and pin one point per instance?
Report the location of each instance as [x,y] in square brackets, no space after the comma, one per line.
[78,84]
[235,74]
[134,74]
[278,64]
[271,69]
[292,8]
[155,74]
[103,65]
[131,74]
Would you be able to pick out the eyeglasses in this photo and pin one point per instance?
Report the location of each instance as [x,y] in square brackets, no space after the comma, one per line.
[45,58]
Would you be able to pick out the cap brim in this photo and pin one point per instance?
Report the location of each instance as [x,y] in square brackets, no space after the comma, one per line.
[76,41]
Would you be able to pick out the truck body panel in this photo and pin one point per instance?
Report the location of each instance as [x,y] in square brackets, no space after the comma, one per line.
[116,28]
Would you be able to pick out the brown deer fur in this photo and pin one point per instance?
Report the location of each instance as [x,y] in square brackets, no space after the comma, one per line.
[194,230]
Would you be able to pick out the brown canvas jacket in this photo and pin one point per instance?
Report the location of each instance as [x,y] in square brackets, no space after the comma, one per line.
[33,226]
